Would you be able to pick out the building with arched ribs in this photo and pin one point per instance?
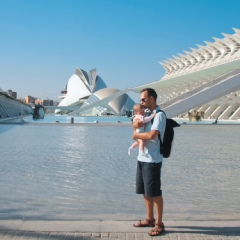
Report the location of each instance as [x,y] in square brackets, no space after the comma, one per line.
[205,79]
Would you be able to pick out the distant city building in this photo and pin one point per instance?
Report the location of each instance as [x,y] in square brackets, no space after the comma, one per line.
[12,94]
[44,102]
[30,100]
[48,102]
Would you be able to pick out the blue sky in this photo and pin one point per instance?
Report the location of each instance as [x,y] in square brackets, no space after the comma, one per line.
[43,41]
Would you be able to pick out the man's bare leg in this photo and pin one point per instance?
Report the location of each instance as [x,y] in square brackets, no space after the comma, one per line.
[159,226]
[149,221]
[149,203]
[158,203]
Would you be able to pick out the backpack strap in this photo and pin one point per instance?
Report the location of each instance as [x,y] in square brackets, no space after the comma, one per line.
[159,137]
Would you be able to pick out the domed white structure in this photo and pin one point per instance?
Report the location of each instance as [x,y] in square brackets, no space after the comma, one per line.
[88,92]
[106,102]
[80,87]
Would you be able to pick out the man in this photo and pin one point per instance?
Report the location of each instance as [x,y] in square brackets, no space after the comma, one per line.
[148,177]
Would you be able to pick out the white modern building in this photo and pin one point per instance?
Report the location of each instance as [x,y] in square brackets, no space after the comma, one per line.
[84,89]
[11,108]
[102,103]
[204,79]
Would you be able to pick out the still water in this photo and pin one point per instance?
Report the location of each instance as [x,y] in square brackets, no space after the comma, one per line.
[83,172]
[78,119]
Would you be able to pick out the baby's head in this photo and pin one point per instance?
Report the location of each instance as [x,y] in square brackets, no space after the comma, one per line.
[138,109]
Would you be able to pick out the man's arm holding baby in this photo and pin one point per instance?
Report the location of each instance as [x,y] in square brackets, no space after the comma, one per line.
[146,135]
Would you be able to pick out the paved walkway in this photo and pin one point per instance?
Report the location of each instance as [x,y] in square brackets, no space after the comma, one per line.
[86,230]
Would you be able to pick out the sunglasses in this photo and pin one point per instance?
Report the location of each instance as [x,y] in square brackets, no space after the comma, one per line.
[143,99]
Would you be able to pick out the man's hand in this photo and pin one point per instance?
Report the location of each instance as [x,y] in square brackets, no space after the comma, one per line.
[138,124]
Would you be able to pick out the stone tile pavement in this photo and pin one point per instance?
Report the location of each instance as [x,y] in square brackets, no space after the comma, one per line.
[88,230]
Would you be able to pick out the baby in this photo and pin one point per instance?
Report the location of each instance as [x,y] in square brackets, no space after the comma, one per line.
[139,113]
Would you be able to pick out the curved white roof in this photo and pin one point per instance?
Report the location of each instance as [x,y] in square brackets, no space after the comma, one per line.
[213,54]
[81,85]
[199,70]
[89,90]
[76,90]
[108,100]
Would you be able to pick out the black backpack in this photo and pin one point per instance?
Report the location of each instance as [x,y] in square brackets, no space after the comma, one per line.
[166,144]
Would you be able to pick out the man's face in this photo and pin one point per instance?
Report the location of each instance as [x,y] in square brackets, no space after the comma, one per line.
[145,99]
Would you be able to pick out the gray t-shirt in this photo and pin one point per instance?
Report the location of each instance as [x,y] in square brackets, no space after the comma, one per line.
[152,147]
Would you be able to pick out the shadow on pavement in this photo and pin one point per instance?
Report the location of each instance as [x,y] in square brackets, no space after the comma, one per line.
[224,231]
